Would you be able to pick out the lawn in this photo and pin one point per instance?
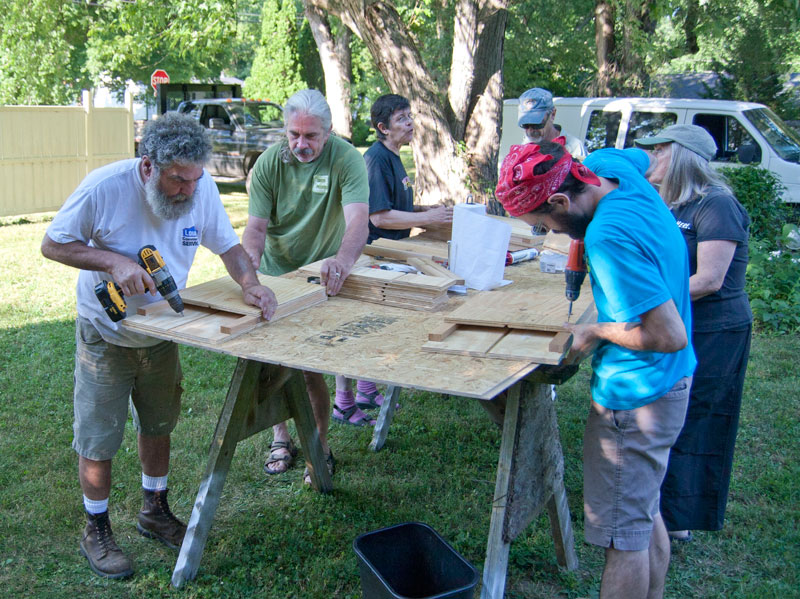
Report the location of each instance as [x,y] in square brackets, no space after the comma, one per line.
[273,539]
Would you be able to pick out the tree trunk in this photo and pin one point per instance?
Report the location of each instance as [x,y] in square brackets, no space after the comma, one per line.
[336,62]
[690,26]
[444,169]
[482,136]
[605,48]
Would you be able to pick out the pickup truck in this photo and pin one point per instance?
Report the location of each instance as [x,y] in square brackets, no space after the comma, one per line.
[240,130]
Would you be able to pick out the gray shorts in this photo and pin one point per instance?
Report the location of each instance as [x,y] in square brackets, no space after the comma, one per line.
[107,376]
[625,454]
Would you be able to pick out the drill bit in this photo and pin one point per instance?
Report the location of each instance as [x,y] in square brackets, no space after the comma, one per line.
[569,314]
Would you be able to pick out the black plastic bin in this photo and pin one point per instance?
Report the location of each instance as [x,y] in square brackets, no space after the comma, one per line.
[412,561]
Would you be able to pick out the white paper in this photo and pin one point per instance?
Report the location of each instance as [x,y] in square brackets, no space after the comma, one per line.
[478,247]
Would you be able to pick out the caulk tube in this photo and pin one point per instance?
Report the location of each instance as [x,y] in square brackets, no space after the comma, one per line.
[521,255]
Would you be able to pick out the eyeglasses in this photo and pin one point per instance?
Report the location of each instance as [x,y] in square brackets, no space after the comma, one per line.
[537,229]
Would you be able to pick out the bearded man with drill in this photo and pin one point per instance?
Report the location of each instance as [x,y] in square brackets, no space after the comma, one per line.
[165,198]
[643,361]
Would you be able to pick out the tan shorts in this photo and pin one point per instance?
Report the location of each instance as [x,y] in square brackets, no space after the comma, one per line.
[625,454]
[107,376]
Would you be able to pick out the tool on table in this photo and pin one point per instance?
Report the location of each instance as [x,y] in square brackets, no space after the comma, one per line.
[154,264]
[575,272]
[396,267]
[521,256]
[112,300]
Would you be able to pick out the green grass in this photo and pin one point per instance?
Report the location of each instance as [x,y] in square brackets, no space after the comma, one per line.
[274,539]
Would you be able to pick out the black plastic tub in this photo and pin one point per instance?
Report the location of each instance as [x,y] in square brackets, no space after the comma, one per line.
[412,561]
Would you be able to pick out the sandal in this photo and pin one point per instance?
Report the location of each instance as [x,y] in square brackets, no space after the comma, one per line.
[331,463]
[346,416]
[287,459]
[366,401]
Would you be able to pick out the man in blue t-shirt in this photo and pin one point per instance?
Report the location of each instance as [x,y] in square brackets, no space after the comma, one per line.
[643,360]
[392,211]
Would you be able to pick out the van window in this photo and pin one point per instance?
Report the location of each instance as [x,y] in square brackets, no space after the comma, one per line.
[602,130]
[783,140]
[643,124]
[729,134]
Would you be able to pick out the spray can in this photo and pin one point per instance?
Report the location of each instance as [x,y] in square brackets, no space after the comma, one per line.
[521,256]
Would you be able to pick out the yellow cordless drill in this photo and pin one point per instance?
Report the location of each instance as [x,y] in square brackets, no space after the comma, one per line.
[154,264]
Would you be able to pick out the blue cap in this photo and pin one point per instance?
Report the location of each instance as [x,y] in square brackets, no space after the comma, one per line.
[534,105]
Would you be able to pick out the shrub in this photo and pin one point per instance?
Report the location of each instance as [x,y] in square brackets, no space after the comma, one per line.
[759,191]
[773,284]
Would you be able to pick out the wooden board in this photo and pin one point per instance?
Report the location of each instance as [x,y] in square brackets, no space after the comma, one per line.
[215,312]
[556,242]
[226,295]
[521,236]
[501,343]
[394,288]
[389,248]
[520,310]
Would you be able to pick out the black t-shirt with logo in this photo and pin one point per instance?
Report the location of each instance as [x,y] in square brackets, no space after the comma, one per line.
[389,188]
[715,217]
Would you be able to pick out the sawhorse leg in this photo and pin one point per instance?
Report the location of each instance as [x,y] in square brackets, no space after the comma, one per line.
[530,476]
[260,395]
[385,418]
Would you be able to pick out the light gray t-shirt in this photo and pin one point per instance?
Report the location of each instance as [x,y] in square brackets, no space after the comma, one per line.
[108,211]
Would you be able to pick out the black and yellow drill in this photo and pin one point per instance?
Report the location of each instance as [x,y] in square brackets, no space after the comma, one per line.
[154,264]
[112,299]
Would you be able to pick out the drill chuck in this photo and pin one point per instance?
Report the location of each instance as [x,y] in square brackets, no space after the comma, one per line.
[574,280]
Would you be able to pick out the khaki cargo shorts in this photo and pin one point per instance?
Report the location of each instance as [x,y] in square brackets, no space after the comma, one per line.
[625,455]
[108,377]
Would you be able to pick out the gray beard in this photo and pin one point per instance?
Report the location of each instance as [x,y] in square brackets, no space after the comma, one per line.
[163,207]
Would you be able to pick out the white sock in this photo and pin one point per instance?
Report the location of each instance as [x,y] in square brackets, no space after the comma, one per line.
[95,506]
[154,483]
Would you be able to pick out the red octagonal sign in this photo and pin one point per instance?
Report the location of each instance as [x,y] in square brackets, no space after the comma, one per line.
[158,76]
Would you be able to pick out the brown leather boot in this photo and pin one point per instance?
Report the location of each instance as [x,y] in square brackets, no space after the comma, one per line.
[101,551]
[156,520]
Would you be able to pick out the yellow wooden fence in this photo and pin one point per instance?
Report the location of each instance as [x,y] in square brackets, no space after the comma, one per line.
[45,151]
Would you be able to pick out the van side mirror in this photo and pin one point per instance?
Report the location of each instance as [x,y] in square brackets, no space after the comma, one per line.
[749,153]
[218,124]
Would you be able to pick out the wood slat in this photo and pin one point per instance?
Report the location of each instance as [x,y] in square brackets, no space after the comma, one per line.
[214,311]
[519,310]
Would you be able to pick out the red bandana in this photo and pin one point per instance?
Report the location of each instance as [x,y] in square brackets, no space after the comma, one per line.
[520,191]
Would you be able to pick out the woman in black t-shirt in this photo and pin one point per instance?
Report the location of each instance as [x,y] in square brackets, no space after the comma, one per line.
[715,226]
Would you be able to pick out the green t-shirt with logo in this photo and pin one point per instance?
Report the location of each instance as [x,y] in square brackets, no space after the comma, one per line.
[303,203]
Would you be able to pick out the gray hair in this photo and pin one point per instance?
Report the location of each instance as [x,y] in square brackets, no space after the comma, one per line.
[308,101]
[688,177]
[175,138]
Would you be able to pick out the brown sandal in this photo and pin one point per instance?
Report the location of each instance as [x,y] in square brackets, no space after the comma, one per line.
[287,459]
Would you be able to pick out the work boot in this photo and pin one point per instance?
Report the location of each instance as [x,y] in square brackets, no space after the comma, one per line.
[100,549]
[156,520]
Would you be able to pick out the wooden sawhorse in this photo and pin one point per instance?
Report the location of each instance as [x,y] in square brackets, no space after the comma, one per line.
[260,395]
[530,473]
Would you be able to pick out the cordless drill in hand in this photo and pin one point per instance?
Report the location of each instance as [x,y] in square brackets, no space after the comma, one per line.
[154,264]
[575,272]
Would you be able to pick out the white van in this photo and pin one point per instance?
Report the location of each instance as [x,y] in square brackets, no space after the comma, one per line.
[745,132]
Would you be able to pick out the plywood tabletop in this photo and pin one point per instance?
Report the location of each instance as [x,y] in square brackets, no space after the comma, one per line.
[384,344]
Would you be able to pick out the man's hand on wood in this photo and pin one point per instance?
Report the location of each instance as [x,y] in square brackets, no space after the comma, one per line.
[333,273]
[584,342]
[261,297]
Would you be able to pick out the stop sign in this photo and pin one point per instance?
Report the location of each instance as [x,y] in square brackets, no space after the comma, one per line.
[158,76]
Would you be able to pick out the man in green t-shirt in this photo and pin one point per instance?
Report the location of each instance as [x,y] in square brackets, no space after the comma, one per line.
[309,201]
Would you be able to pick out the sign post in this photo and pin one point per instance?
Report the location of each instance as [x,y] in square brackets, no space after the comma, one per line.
[158,76]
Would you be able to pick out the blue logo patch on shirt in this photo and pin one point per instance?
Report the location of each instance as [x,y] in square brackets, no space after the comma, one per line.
[190,237]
